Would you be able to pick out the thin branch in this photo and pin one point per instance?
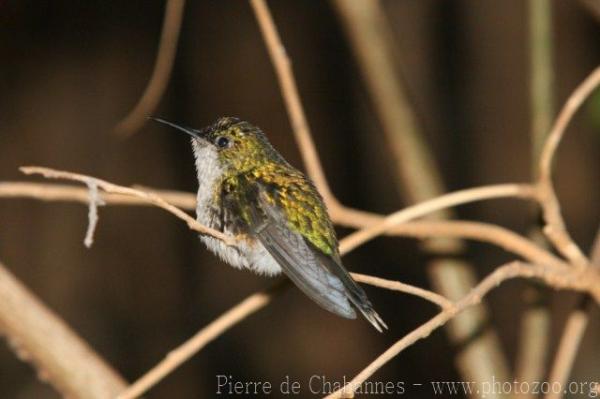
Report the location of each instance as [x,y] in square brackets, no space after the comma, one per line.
[182,353]
[430,296]
[484,232]
[445,201]
[289,90]
[161,73]
[68,193]
[38,336]
[572,335]
[555,226]
[562,278]
[115,189]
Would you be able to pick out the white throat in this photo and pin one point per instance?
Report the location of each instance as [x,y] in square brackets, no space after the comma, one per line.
[208,170]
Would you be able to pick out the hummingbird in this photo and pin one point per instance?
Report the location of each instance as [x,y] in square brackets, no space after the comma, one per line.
[248,190]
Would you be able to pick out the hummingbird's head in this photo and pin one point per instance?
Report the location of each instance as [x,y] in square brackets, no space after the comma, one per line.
[229,144]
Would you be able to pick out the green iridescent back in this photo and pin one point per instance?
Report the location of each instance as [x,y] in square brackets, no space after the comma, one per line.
[250,162]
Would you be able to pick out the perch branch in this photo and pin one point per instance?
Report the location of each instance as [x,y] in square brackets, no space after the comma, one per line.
[39,336]
[63,192]
[115,189]
[478,231]
[161,73]
[555,228]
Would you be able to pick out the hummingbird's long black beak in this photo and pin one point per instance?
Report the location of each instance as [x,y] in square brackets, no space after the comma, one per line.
[191,132]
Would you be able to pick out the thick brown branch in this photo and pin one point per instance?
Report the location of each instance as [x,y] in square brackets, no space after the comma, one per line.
[61,358]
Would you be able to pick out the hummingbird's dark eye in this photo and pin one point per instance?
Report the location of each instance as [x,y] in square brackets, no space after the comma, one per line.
[222,142]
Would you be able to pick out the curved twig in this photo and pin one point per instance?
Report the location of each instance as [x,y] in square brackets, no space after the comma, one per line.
[445,201]
[555,226]
[161,73]
[287,83]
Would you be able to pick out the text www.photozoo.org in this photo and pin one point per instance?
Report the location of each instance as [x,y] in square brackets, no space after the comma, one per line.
[322,385]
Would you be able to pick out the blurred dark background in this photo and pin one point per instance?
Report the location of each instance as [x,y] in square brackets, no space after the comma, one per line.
[71,70]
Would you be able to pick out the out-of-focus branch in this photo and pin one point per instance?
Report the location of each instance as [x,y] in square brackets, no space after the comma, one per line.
[564,278]
[115,189]
[541,75]
[61,358]
[573,332]
[535,320]
[161,73]
[373,43]
[555,226]
[593,6]
[372,40]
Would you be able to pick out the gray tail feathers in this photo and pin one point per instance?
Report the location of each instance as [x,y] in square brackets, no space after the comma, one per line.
[363,304]
[353,291]
[359,298]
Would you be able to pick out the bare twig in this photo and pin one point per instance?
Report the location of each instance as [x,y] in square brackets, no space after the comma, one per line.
[573,332]
[115,189]
[287,83]
[39,336]
[555,227]
[442,202]
[94,202]
[68,193]
[563,278]
[405,288]
[161,73]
